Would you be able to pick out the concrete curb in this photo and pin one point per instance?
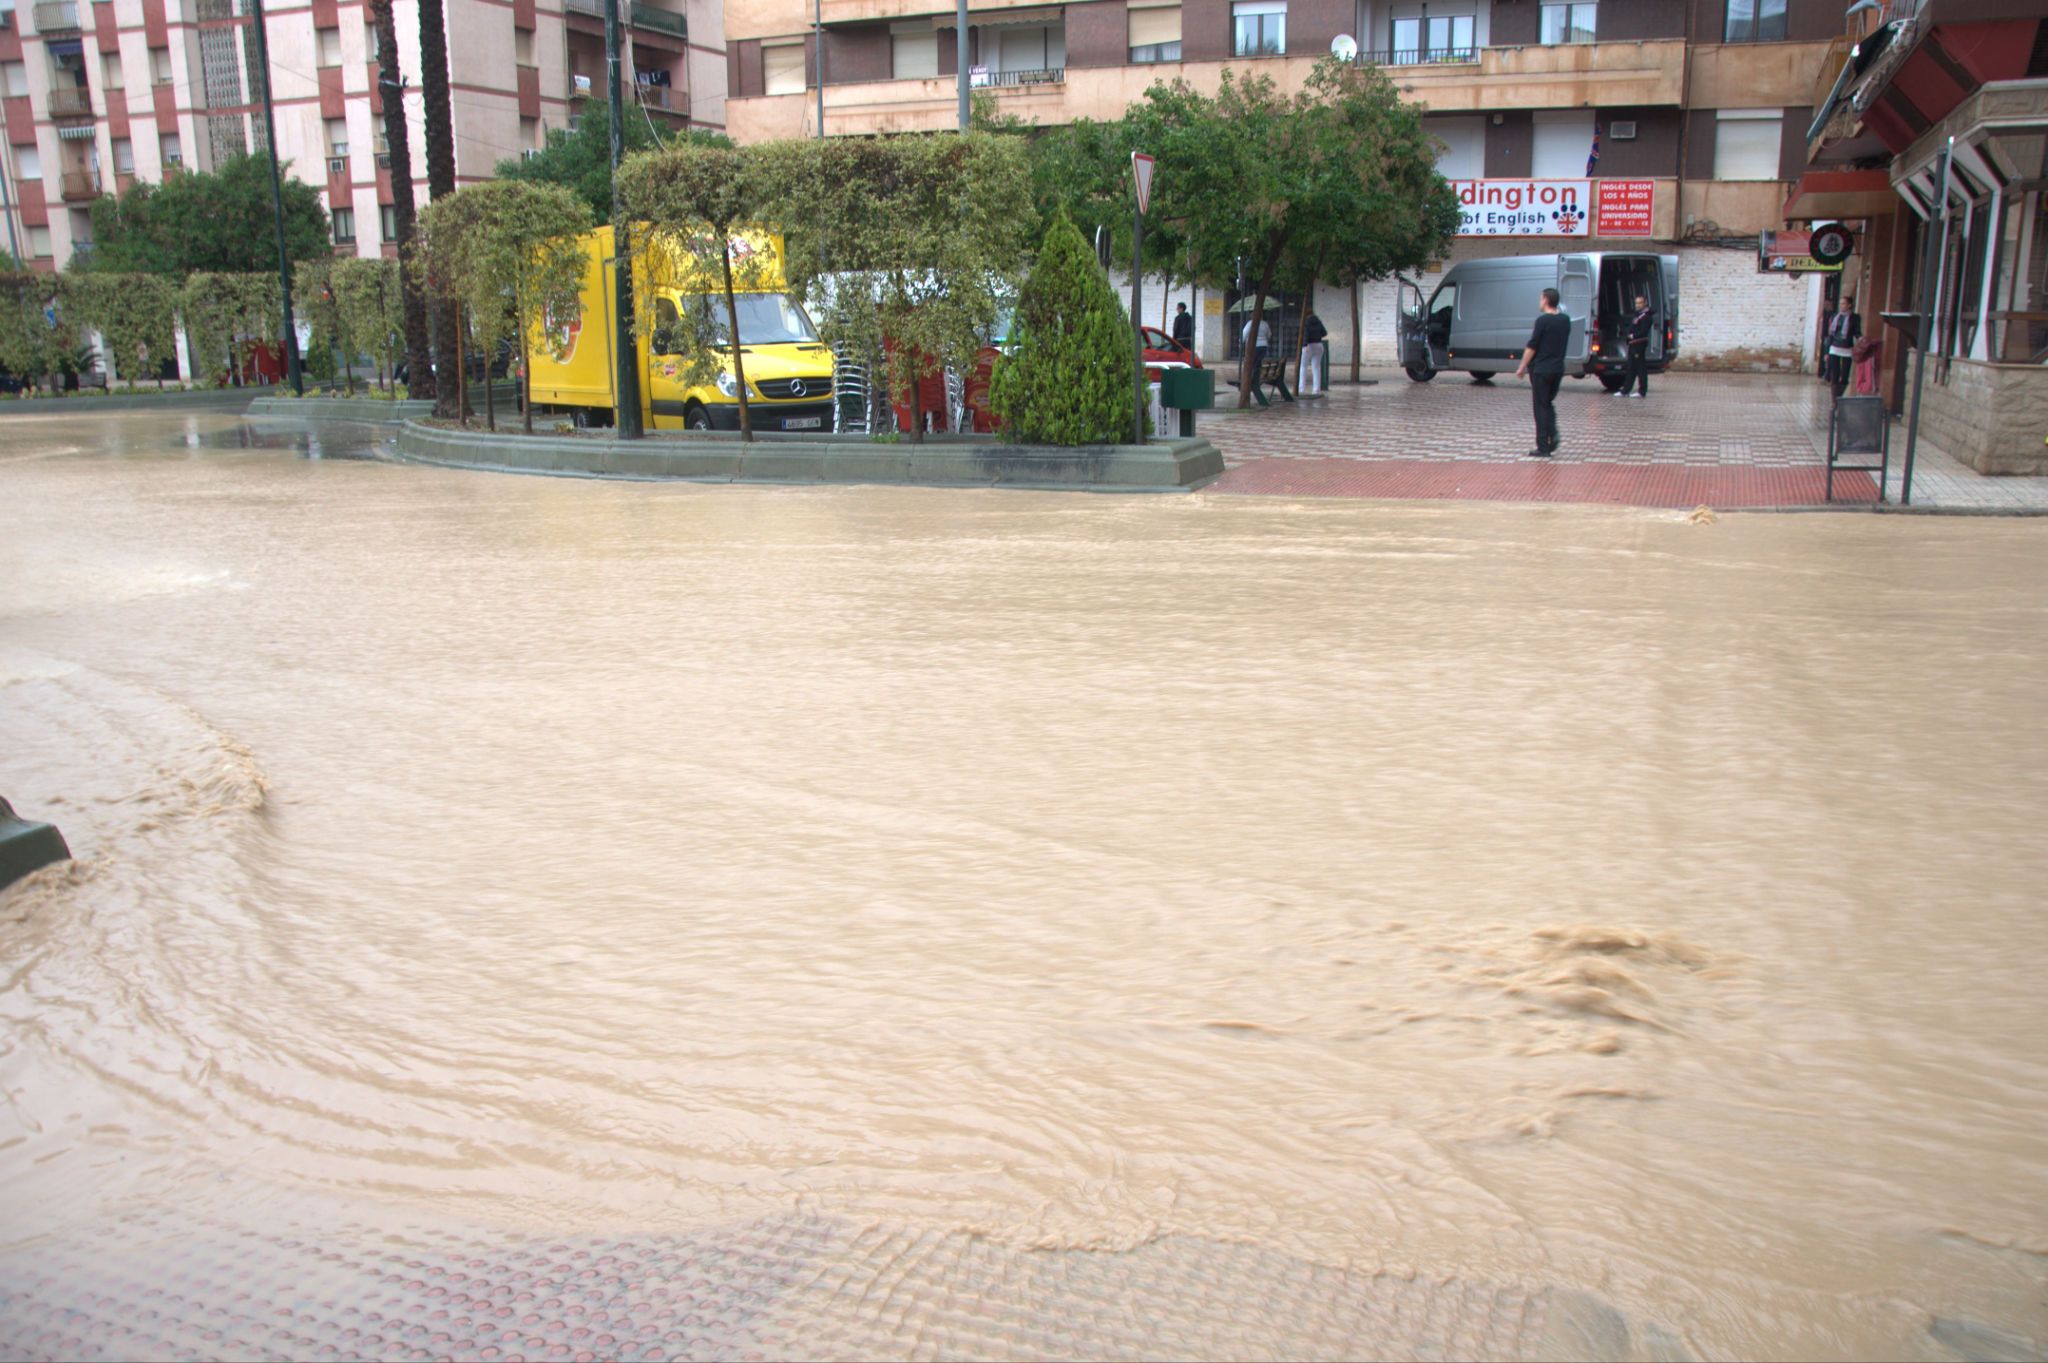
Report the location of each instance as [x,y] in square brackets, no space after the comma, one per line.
[341,409]
[196,399]
[942,461]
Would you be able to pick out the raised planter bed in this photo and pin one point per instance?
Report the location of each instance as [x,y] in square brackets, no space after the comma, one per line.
[719,456]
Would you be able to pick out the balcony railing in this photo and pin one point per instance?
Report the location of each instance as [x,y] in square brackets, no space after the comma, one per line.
[80,184]
[1418,56]
[57,16]
[1050,76]
[660,20]
[654,96]
[70,101]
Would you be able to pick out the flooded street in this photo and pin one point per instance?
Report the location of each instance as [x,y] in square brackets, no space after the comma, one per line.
[1631,926]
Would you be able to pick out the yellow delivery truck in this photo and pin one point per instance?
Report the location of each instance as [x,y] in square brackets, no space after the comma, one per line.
[789,371]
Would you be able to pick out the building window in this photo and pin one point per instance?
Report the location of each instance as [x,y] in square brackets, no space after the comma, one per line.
[344,226]
[1259,28]
[1428,33]
[172,153]
[1564,139]
[1034,50]
[1464,147]
[387,222]
[1155,34]
[39,243]
[522,46]
[370,39]
[914,56]
[337,137]
[13,79]
[330,46]
[160,65]
[1756,21]
[529,133]
[1573,23]
[782,69]
[28,162]
[1746,143]
[124,156]
[111,74]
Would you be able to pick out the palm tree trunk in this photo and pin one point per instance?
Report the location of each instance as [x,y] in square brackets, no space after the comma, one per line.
[440,121]
[419,360]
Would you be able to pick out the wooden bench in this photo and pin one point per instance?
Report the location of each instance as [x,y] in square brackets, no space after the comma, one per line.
[1272,374]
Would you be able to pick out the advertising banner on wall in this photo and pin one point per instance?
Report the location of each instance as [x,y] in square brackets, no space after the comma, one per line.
[1627,208]
[1525,208]
[1556,208]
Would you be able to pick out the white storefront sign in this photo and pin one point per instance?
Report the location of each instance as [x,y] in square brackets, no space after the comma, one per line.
[1525,208]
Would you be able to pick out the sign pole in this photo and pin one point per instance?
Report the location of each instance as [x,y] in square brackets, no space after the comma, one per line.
[1141,175]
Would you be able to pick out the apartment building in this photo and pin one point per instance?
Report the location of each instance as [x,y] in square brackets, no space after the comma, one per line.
[97,93]
[1893,95]
[1700,107]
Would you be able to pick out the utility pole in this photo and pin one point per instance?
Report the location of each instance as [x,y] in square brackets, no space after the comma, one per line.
[818,41]
[1933,264]
[625,351]
[293,374]
[1141,185]
[960,49]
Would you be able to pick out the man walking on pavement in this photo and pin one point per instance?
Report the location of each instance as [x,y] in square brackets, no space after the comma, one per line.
[1184,327]
[1637,375]
[1844,329]
[1543,365]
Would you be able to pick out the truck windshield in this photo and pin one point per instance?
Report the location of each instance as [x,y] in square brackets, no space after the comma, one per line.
[765,318]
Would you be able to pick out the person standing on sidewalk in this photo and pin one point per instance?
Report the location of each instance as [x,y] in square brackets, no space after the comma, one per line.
[1543,365]
[1184,327]
[1637,375]
[1845,328]
[1309,382]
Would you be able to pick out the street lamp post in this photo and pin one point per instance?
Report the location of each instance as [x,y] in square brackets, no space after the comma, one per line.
[293,373]
[625,351]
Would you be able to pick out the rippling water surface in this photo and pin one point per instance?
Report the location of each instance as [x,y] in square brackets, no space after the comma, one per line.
[1563,900]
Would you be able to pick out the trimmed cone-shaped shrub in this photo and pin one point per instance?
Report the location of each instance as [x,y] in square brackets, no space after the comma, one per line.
[1069,382]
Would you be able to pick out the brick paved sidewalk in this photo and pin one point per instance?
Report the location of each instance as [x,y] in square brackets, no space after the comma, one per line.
[1723,440]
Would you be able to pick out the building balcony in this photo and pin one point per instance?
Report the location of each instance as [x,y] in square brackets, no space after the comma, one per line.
[1567,76]
[659,20]
[1558,76]
[57,16]
[665,97]
[70,101]
[80,186]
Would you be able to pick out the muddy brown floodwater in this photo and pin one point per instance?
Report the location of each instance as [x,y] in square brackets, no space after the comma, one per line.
[1007,923]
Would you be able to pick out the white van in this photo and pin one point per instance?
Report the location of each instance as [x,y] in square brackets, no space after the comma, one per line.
[1479,318]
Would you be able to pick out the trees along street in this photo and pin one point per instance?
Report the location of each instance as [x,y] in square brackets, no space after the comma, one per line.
[1260,188]
[698,198]
[921,240]
[507,251]
[419,360]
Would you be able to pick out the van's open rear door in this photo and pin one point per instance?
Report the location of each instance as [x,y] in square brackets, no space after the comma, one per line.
[1669,341]
[1411,329]
[1575,291]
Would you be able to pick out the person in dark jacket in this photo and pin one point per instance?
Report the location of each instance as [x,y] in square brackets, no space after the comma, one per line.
[1314,377]
[1641,326]
[1184,326]
[1845,328]
[1543,365]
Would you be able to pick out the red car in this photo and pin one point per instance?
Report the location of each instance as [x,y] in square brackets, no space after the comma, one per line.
[1161,352]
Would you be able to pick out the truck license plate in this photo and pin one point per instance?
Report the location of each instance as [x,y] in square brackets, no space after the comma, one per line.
[802,423]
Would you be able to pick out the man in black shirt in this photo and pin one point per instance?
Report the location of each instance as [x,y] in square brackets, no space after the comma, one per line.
[1637,375]
[1184,326]
[1543,365]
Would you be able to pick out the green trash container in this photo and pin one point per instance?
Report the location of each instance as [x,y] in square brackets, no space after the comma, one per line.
[1187,391]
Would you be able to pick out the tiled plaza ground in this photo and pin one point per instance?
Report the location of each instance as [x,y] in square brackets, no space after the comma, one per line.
[1722,440]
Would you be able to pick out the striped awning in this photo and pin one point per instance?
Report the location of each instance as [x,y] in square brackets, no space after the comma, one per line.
[76,132]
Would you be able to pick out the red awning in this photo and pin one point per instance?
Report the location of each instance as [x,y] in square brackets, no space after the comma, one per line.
[1835,195]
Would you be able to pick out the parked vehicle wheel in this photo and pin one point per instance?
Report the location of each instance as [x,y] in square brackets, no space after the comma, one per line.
[696,418]
[1613,383]
[1419,374]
